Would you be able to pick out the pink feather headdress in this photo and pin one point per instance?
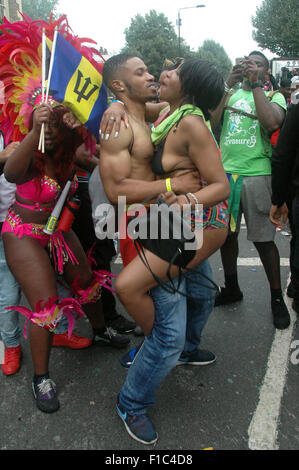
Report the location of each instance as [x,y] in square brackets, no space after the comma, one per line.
[21,69]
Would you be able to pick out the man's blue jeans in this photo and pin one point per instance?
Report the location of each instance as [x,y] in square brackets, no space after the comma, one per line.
[9,296]
[178,326]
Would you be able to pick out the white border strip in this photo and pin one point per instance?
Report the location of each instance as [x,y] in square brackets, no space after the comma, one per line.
[263,429]
[284,262]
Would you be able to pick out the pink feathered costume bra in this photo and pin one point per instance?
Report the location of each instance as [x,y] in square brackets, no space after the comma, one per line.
[44,192]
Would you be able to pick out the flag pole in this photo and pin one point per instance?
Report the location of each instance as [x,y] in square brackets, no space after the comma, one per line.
[50,70]
[51,63]
[41,145]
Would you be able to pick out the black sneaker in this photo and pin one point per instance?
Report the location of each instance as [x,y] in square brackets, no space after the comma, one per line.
[122,325]
[291,291]
[110,337]
[228,296]
[281,316]
[295,305]
[44,391]
[199,358]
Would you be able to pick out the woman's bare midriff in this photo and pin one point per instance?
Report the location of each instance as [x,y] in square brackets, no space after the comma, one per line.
[30,216]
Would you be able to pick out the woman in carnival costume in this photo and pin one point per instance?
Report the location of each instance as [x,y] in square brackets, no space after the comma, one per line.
[40,178]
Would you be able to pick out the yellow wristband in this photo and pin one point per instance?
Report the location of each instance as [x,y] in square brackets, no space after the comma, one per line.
[168,185]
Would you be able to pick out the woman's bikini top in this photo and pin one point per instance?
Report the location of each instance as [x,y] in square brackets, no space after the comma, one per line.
[156,163]
[45,193]
[157,166]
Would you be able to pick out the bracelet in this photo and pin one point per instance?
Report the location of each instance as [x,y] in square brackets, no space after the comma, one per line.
[168,185]
[187,199]
[226,87]
[117,101]
[194,198]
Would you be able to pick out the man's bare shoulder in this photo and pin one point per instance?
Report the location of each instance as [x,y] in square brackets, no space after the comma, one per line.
[114,145]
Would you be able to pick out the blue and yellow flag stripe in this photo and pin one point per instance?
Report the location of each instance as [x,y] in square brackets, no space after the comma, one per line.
[76,83]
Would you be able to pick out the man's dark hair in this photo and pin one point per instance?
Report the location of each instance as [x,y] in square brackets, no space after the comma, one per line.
[285,82]
[112,66]
[261,55]
[202,84]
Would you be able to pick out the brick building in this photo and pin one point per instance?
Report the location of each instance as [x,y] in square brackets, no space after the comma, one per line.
[9,8]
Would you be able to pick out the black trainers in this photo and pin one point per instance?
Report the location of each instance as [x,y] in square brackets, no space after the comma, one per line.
[44,391]
[295,305]
[110,337]
[291,291]
[228,296]
[122,325]
[199,358]
[281,316]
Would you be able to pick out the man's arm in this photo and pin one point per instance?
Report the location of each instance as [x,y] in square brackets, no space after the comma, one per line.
[270,115]
[153,110]
[235,77]
[116,168]
[116,114]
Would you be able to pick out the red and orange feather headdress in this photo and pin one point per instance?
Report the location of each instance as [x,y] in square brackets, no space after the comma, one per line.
[21,68]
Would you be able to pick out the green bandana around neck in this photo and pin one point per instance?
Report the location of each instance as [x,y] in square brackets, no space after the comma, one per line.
[161,131]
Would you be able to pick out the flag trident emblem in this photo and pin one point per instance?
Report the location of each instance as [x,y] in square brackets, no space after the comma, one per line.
[84,93]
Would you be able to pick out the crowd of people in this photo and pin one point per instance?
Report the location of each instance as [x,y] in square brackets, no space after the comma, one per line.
[157,146]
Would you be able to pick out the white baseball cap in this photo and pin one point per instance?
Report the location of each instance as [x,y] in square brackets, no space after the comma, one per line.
[295,84]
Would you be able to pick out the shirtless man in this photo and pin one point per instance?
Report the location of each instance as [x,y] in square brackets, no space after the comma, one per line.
[126,170]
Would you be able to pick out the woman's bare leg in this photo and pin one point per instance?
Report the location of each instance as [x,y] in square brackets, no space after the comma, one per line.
[40,346]
[134,282]
[30,264]
[212,241]
[82,271]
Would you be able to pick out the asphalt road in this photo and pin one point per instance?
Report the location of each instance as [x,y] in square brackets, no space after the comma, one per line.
[247,400]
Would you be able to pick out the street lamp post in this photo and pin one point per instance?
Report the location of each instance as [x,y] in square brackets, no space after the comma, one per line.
[179,22]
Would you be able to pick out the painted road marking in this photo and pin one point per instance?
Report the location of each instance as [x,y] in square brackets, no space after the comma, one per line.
[263,429]
[284,262]
[254,262]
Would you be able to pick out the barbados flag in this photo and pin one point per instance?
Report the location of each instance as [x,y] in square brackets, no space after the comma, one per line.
[76,83]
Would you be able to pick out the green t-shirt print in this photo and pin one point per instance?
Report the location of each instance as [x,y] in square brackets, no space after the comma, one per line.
[245,148]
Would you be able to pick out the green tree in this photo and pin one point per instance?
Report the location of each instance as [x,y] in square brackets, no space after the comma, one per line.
[277,27]
[153,39]
[214,52]
[39,9]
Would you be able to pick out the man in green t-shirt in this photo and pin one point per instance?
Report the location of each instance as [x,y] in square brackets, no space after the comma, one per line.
[250,116]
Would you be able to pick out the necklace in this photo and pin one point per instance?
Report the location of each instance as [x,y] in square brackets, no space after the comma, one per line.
[141,124]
